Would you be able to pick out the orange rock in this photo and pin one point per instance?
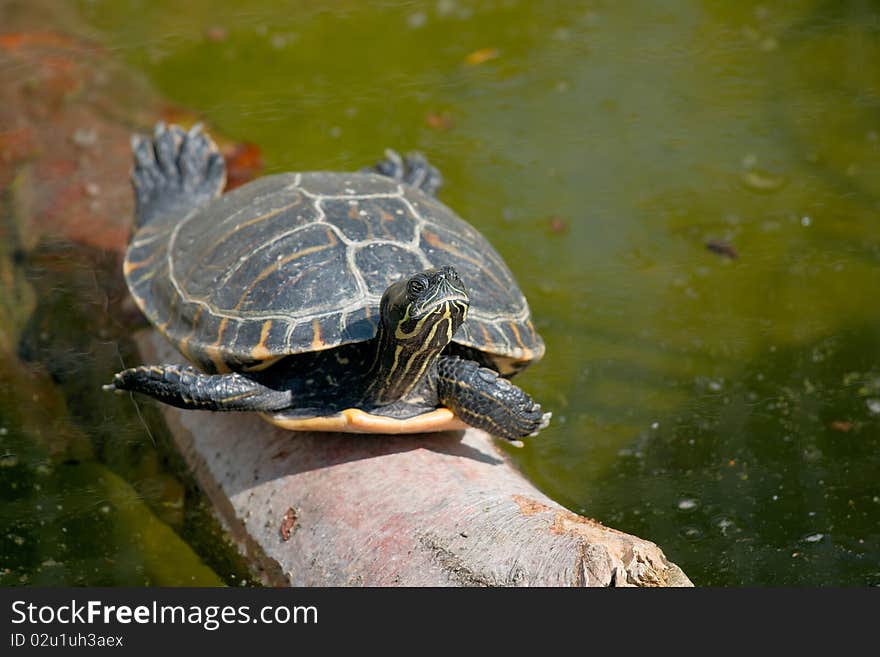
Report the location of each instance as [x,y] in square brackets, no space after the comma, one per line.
[244,162]
[66,153]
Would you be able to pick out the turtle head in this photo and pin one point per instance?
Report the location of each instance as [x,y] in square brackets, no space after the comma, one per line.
[419,316]
[425,309]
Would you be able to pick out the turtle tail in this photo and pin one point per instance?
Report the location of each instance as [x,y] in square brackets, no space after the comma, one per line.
[174,173]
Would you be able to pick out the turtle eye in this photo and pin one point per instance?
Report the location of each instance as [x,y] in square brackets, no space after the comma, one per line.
[416,286]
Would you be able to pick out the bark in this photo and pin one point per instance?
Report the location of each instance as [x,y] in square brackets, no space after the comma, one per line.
[445,509]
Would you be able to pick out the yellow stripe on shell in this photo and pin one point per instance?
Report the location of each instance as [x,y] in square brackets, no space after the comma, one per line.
[129,266]
[260,351]
[199,257]
[317,342]
[268,271]
[214,351]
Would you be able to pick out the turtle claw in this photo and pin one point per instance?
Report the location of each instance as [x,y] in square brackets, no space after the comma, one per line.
[175,171]
[545,422]
[166,141]
[118,383]
[413,170]
[112,387]
[391,166]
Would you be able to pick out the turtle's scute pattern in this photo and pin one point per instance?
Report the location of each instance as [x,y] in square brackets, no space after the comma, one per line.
[294,263]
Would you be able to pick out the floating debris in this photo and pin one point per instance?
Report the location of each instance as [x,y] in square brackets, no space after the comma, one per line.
[691,533]
[723,249]
[562,34]
[763,181]
[724,524]
[842,425]
[558,225]
[417,20]
[481,56]
[439,120]
[216,33]
[814,538]
[768,44]
[446,7]
[688,504]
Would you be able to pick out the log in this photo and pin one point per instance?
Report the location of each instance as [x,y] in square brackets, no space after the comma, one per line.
[443,509]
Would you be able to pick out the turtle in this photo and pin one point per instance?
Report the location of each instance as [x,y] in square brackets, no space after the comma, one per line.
[324,301]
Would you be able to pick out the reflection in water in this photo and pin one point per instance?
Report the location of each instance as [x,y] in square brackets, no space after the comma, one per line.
[725,407]
[91,496]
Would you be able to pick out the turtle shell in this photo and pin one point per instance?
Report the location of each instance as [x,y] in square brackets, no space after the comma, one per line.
[298,262]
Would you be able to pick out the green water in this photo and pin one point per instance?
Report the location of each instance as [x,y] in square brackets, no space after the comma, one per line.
[726,408]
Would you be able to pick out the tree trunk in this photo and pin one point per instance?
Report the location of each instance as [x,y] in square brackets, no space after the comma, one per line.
[444,509]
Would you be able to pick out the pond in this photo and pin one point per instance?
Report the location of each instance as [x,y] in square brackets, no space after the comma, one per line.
[688,193]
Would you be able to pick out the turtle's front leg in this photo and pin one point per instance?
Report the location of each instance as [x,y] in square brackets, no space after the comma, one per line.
[186,387]
[484,399]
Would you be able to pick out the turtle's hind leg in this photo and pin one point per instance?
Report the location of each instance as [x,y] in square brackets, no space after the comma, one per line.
[186,387]
[174,172]
[414,170]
